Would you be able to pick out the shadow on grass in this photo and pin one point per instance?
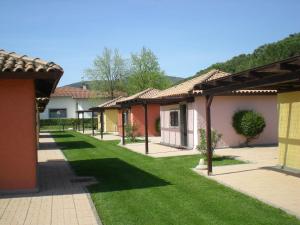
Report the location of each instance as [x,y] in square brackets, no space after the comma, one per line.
[74,145]
[114,174]
[56,136]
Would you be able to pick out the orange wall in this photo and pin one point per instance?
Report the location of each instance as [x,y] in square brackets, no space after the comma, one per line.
[138,118]
[18,155]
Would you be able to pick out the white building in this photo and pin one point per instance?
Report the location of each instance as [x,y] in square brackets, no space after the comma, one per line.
[65,101]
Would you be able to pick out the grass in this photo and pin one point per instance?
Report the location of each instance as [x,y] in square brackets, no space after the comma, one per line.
[135,189]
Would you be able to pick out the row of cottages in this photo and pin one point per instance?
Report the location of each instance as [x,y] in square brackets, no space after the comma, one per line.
[181,121]
[112,115]
[282,76]
[133,113]
[25,86]
[67,100]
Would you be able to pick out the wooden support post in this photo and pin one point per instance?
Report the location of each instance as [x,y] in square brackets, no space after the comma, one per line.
[102,123]
[146,128]
[123,127]
[93,132]
[209,99]
[78,122]
[82,122]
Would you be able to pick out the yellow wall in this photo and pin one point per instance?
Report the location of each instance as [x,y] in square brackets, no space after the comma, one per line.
[111,120]
[289,129]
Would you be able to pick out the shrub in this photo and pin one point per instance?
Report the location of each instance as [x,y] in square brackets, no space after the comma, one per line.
[131,132]
[215,138]
[248,123]
[66,122]
[157,125]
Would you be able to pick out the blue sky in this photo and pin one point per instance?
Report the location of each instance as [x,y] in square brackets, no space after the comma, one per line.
[185,35]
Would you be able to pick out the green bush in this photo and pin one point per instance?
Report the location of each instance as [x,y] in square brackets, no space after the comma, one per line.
[248,123]
[215,138]
[131,132]
[67,122]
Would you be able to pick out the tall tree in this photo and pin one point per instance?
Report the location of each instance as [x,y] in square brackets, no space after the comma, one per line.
[108,72]
[145,72]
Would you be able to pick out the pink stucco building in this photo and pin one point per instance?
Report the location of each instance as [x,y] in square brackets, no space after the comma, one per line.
[180,122]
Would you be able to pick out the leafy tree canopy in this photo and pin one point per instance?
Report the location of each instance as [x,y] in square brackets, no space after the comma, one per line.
[145,73]
[108,72]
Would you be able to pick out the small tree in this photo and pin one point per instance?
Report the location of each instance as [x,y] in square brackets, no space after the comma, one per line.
[248,123]
[202,147]
[131,132]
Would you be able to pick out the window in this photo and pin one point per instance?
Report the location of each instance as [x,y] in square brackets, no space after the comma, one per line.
[57,113]
[174,118]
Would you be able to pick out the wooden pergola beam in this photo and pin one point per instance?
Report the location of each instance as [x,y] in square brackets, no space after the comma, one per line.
[209,99]
[101,123]
[123,127]
[146,128]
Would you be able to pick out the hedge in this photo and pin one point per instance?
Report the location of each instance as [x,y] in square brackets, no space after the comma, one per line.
[63,121]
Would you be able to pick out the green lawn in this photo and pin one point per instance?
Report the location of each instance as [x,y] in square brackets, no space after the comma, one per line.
[136,189]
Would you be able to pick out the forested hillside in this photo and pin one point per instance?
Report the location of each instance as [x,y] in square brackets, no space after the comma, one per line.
[264,54]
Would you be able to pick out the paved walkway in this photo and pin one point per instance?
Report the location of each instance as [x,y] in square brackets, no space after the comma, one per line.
[157,150]
[260,177]
[60,201]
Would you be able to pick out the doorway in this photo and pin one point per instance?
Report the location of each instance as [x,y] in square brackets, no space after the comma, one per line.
[183,125]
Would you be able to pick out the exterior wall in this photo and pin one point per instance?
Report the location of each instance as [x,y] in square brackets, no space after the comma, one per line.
[110,120]
[72,105]
[18,154]
[120,122]
[222,110]
[289,126]
[171,135]
[137,116]
[224,107]
[60,103]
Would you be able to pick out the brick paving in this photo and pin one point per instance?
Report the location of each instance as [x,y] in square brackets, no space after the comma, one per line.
[60,200]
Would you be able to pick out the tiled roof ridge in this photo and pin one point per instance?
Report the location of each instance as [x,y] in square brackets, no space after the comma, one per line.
[186,87]
[13,62]
[139,94]
[110,101]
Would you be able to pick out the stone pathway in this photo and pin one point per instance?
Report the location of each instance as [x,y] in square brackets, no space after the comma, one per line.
[157,150]
[260,177]
[60,201]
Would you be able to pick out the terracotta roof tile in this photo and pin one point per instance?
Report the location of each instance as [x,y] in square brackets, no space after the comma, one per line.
[146,94]
[12,62]
[111,103]
[73,92]
[185,87]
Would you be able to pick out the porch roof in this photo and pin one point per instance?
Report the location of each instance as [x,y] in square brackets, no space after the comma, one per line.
[280,76]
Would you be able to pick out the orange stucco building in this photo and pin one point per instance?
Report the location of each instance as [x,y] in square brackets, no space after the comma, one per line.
[135,113]
[25,85]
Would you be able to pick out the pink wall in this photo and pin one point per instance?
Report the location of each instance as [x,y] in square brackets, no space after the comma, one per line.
[171,135]
[223,108]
